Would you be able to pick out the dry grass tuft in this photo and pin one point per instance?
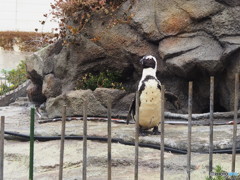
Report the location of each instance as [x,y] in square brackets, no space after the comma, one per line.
[27,41]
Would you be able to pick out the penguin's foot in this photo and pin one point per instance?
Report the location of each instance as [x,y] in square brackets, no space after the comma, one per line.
[143,132]
[155,131]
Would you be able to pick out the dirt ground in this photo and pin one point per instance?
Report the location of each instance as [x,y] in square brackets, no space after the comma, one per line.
[46,161]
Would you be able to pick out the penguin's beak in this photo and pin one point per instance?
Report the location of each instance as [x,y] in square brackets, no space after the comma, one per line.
[141,61]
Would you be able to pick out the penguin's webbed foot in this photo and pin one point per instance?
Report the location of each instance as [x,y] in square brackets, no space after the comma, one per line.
[143,132]
[155,131]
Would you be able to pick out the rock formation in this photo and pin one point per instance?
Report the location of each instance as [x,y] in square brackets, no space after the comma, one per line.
[192,40]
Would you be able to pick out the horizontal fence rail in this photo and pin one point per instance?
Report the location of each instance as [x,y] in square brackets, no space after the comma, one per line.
[109,138]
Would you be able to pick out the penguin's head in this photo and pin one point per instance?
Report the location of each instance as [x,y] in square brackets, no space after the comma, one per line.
[149,62]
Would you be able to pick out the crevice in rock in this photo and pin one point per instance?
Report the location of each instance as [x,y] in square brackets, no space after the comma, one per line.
[228,35]
[170,56]
[208,33]
[58,46]
[90,61]
[231,4]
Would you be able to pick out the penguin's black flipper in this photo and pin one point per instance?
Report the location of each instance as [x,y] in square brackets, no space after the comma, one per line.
[170,97]
[131,111]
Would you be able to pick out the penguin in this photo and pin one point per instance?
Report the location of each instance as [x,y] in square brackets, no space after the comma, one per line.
[149,88]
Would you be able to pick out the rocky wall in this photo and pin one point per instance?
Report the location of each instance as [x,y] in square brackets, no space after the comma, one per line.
[191,39]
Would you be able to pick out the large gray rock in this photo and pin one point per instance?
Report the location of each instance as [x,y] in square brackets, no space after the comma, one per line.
[52,86]
[123,104]
[199,9]
[103,95]
[74,101]
[227,22]
[36,62]
[186,52]
[156,19]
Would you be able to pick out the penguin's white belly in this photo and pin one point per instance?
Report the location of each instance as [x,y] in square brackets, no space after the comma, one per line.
[150,107]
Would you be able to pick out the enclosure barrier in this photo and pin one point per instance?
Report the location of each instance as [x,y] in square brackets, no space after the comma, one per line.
[162,134]
[62,142]
[84,170]
[136,136]
[110,140]
[190,85]
[31,153]
[211,125]
[2,147]
[235,122]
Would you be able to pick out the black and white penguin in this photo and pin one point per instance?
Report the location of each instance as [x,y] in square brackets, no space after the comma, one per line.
[149,89]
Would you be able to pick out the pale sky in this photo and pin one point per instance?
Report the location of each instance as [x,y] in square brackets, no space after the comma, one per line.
[24,15]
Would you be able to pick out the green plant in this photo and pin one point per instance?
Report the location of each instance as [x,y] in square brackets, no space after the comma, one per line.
[107,79]
[4,88]
[219,170]
[14,77]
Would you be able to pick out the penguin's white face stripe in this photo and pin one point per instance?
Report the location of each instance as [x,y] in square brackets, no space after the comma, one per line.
[149,62]
[148,71]
[151,57]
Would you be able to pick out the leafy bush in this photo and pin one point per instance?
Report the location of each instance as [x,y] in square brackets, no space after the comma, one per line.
[4,88]
[107,79]
[15,77]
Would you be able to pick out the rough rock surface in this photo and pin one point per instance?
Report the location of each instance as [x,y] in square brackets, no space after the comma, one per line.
[51,86]
[179,58]
[97,102]
[192,40]
[104,95]
[74,100]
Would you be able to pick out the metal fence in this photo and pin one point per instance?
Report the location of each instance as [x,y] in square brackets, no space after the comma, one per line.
[109,138]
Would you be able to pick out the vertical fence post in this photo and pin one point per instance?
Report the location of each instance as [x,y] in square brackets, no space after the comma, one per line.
[136,136]
[235,121]
[190,89]
[109,141]
[2,147]
[162,133]
[62,143]
[211,125]
[84,170]
[31,156]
